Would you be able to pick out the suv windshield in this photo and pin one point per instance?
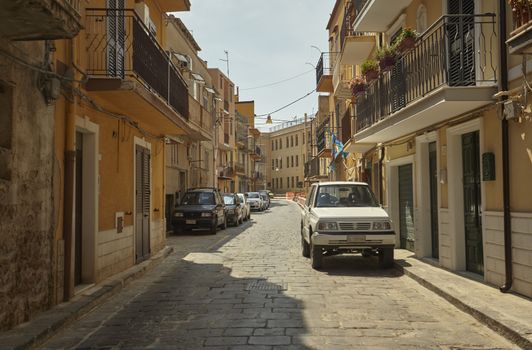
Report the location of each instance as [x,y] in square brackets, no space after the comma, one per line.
[229,200]
[345,196]
[253,195]
[198,198]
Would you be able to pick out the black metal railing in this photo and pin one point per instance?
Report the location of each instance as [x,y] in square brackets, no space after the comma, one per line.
[521,14]
[346,127]
[312,168]
[120,45]
[457,50]
[324,66]
[323,135]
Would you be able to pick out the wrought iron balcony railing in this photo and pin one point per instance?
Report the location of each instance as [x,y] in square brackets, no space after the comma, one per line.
[455,51]
[323,137]
[521,15]
[312,168]
[240,168]
[324,66]
[119,45]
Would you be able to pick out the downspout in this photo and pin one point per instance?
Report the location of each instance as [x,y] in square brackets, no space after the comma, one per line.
[69,189]
[381,187]
[503,86]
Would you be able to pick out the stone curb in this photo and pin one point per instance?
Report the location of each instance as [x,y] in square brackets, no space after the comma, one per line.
[491,322]
[35,332]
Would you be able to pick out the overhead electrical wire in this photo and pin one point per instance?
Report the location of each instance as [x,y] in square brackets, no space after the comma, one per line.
[277,82]
[285,106]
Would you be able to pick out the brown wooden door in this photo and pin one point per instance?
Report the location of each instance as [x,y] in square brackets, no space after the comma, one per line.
[406,207]
[433,179]
[472,202]
[142,203]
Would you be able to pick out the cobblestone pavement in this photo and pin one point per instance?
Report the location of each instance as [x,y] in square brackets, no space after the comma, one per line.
[250,288]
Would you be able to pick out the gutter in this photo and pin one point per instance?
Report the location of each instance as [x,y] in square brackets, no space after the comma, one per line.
[503,86]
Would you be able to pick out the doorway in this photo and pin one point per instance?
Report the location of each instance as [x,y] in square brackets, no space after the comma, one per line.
[406,207]
[142,203]
[472,202]
[433,185]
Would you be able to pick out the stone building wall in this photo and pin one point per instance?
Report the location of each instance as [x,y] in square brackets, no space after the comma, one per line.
[26,208]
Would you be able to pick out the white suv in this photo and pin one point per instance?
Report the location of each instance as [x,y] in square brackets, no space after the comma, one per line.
[344,217]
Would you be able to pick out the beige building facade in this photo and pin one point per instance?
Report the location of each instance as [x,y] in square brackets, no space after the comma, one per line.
[428,131]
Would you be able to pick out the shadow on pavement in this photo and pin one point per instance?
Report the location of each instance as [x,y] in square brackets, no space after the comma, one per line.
[357,265]
[194,304]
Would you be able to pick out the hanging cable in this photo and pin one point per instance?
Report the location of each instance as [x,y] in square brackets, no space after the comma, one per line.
[278,82]
[286,106]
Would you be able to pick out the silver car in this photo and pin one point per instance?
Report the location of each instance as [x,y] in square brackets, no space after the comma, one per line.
[246,209]
[255,201]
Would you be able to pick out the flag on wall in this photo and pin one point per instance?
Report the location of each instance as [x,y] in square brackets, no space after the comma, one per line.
[337,148]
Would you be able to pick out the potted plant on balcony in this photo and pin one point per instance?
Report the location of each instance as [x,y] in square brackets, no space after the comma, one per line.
[406,41]
[387,57]
[520,12]
[357,85]
[370,70]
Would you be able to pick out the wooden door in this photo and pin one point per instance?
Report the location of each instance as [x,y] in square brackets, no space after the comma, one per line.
[142,203]
[433,179]
[472,202]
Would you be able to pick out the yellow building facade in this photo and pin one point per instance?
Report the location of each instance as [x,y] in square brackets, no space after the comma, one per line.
[429,134]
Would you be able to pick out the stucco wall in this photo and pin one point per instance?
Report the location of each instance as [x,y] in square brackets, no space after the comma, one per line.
[26,208]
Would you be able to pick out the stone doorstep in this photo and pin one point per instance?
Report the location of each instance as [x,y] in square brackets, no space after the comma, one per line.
[509,315]
[35,332]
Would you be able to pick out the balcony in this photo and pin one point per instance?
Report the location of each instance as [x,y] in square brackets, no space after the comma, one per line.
[451,71]
[200,121]
[341,77]
[324,73]
[313,170]
[39,19]
[323,137]
[240,168]
[377,15]
[174,6]
[355,46]
[124,61]
[520,41]
[226,172]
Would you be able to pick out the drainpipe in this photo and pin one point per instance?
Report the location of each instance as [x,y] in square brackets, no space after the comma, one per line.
[503,86]
[381,187]
[69,189]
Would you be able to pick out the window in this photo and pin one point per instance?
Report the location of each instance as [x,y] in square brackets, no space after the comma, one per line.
[272,145]
[288,162]
[345,196]
[293,182]
[273,165]
[292,160]
[292,141]
[296,140]
[221,83]
[276,145]
[287,142]
[303,159]
[287,182]
[280,143]
[281,180]
[297,160]
[297,182]
[280,163]
[421,19]
[303,136]
[276,163]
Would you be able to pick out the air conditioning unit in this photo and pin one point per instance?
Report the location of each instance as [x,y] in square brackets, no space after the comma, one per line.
[143,11]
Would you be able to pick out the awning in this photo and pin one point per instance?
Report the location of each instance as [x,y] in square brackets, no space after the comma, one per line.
[180,57]
[198,78]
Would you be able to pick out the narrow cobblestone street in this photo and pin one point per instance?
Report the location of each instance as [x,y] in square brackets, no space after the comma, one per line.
[250,288]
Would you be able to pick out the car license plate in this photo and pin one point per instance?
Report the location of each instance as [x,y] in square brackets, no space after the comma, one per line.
[191,222]
[356,239]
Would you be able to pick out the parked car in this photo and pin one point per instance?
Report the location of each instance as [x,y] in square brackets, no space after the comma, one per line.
[201,208]
[246,210]
[270,194]
[265,200]
[345,217]
[255,201]
[233,210]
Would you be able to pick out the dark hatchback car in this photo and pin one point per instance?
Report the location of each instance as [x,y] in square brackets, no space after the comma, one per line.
[201,208]
[233,209]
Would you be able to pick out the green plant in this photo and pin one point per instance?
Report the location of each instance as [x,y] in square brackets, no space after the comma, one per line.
[407,33]
[369,65]
[386,52]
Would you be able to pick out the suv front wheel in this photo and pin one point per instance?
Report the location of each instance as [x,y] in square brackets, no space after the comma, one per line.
[305,247]
[316,256]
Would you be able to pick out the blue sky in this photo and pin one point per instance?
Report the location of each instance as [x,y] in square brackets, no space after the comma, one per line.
[268,41]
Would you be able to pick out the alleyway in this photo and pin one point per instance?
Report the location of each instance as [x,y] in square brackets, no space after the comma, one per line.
[250,288]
